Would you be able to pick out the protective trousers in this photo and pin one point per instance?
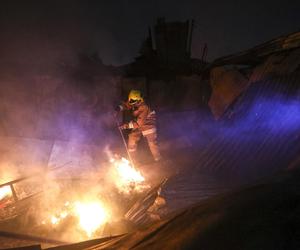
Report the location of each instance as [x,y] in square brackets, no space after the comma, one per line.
[133,139]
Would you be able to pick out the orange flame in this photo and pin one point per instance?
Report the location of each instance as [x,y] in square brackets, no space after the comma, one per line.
[126,178]
[5,191]
[92,215]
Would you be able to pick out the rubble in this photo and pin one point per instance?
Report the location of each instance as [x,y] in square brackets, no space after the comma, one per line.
[224,222]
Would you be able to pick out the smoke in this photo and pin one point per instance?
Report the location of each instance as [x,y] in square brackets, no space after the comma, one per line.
[55,110]
[56,211]
[40,112]
[258,136]
[51,119]
[275,113]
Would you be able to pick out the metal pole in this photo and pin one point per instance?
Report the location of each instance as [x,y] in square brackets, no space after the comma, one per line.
[124,141]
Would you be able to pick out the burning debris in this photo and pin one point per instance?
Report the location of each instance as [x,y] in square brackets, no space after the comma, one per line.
[5,192]
[88,216]
[126,178]
[92,215]
[74,214]
[145,209]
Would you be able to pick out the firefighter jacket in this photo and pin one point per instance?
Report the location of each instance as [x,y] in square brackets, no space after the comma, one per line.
[144,119]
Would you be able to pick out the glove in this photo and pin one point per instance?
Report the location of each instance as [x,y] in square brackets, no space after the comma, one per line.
[129,125]
[124,126]
[126,105]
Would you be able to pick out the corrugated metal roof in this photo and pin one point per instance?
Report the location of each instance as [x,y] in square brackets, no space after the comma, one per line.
[244,218]
[261,130]
[259,52]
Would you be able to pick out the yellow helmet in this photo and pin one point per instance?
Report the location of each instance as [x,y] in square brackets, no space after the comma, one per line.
[135,96]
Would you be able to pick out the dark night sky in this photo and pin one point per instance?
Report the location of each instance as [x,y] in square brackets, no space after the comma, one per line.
[43,31]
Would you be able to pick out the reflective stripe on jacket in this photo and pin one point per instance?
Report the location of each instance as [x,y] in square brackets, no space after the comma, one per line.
[144,119]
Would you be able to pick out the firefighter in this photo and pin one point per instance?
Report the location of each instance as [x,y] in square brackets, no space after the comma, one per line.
[143,123]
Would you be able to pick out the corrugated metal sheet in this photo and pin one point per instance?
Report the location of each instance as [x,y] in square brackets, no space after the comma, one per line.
[248,147]
[279,64]
[257,53]
[245,219]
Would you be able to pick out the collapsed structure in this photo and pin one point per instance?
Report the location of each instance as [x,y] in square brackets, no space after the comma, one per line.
[224,123]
